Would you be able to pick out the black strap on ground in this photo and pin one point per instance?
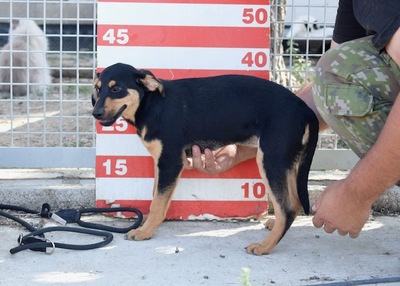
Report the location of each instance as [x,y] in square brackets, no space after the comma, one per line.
[74,216]
[36,240]
[370,281]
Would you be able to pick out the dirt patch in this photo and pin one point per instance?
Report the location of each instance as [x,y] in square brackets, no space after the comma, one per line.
[61,117]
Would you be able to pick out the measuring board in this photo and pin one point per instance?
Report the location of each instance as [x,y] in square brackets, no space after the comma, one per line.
[179,39]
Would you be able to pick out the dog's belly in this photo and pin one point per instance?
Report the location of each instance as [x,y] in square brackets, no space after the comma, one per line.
[214,145]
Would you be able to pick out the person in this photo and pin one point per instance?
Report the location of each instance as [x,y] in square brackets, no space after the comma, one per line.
[354,92]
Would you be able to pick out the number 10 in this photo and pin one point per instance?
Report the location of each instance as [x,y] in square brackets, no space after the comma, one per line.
[259,191]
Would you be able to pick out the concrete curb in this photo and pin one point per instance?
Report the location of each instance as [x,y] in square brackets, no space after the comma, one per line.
[75,188]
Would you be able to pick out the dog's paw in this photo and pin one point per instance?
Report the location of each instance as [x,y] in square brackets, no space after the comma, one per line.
[269,224]
[259,249]
[138,234]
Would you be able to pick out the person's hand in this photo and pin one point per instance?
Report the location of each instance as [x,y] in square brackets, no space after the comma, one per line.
[337,208]
[211,162]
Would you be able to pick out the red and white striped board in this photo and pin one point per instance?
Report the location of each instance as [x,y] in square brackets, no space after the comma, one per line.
[179,39]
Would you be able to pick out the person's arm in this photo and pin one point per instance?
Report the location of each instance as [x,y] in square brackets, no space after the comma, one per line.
[345,205]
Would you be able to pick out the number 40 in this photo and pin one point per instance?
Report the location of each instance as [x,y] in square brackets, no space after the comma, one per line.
[258,59]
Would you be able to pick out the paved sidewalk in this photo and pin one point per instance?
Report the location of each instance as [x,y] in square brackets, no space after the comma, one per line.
[193,252]
[211,253]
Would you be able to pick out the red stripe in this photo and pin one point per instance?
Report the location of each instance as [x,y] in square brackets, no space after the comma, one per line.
[143,167]
[176,74]
[183,36]
[170,74]
[244,2]
[185,209]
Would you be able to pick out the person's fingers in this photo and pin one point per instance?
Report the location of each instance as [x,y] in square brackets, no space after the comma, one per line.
[329,228]
[187,162]
[316,204]
[197,160]
[317,221]
[209,163]
[354,234]
[342,233]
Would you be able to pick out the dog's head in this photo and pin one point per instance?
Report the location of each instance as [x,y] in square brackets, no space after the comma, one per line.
[118,91]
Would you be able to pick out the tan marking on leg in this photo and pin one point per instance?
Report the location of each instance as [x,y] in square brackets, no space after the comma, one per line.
[155,148]
[158,210]
[271,240]
[267,245]
[160,203]
[306,135]
[291,179]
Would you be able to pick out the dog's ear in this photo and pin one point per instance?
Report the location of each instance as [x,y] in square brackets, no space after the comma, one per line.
[150,82]
[96,77]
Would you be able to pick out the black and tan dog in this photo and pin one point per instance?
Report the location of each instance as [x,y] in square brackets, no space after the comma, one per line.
[172,115]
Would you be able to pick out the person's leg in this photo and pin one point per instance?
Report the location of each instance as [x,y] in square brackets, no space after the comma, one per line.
[354,89]
[306,94]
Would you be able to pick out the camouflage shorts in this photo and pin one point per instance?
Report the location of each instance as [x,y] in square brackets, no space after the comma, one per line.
[354,89]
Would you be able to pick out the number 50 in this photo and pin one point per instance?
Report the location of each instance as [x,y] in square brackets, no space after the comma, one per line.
[260,16]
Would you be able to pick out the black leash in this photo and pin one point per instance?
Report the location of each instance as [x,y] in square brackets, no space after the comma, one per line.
[36,240]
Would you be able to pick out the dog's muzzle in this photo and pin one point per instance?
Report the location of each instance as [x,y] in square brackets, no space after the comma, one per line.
[105,120]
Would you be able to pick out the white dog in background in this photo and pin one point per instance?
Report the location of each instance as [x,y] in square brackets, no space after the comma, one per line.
[307,27]
[23,63]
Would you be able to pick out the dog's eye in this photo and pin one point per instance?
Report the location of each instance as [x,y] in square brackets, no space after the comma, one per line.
[116,89]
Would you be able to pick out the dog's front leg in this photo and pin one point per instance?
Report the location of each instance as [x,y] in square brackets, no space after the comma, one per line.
[168,173]
[156,216]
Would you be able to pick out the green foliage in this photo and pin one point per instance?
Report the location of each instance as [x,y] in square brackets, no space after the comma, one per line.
[301,67]
[245,278]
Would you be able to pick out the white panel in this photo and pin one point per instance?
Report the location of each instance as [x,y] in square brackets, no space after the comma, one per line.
[187,189]
[120,144]
[180,58]
[157,14]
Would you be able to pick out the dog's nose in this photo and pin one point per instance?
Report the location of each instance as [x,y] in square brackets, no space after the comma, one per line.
[98,113]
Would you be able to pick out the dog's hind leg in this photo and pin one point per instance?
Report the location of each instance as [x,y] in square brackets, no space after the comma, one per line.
[283,194]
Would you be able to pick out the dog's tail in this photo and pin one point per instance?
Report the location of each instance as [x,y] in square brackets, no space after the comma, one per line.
[306,160]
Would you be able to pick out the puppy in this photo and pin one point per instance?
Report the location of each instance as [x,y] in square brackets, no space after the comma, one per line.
[172,115]
[23,61]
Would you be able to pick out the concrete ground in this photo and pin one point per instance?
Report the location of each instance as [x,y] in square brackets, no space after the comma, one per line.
[192,252]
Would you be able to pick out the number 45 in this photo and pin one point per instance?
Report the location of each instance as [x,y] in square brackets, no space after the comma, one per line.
[116,35]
